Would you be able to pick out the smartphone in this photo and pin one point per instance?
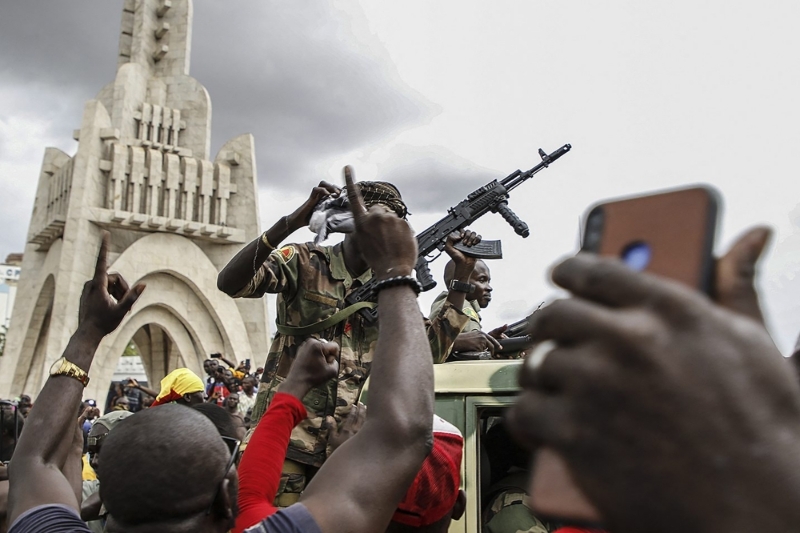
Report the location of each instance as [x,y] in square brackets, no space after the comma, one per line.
[669,234]
[216,356]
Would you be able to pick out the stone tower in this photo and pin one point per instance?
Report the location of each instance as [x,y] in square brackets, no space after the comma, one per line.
[143,171]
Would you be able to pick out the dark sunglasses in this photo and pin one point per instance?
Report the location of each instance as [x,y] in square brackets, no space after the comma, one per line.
[233,446]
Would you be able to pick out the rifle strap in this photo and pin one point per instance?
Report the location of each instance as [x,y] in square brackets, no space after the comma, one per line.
[331,321]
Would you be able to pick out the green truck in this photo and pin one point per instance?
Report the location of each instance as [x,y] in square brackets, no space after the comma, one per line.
[471,395]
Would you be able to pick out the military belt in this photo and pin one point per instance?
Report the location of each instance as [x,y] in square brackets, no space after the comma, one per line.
[331,321]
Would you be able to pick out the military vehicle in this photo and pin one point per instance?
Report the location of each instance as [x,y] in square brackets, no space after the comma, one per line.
[471,395]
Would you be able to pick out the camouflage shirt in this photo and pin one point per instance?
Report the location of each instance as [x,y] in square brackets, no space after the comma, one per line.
[473,323]
[312,283]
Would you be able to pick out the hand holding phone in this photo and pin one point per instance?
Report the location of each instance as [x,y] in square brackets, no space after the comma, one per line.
[670,234]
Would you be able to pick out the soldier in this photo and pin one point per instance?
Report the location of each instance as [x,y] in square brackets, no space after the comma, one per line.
[505,502]
[477,289]
[312,282]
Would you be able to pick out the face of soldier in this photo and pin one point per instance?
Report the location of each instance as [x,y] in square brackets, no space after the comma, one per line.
[483,289]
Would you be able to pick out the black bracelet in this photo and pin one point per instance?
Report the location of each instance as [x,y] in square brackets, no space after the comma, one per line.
[411,281]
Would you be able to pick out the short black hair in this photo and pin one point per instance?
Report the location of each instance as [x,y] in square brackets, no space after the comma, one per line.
[169,450]
[221,418]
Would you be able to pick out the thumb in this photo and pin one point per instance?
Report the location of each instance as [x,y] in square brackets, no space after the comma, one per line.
[130,298]
[330,423]
[735,272]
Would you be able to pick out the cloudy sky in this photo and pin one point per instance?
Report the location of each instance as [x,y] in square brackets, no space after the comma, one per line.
[440,97]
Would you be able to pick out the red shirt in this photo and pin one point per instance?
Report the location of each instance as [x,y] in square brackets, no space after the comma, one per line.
[262,462]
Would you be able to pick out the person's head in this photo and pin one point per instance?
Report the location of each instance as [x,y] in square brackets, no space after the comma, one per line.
[25,400]
[481,278]
[147,401]
[232,401]
[99,432]
[147,457]
[182,386]
[93,413]
[11,422]
[503,452]
[249,385]
[434,498]
[219,417]
[122,404]
[210,366]
[379,193]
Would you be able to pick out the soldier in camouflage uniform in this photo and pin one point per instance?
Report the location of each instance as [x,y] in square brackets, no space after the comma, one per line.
[312,283]
[472,338]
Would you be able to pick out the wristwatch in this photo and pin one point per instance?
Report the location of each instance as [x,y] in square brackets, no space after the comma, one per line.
[461,286]
[62,367]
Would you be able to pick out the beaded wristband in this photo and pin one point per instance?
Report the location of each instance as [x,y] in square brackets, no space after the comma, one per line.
[411,281]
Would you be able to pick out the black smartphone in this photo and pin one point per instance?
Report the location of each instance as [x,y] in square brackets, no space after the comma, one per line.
[670,234]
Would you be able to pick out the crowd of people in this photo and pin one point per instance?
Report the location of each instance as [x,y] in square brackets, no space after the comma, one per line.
[669,409]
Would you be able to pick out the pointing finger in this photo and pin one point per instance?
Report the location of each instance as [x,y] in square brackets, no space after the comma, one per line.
[354,197]
[100,270]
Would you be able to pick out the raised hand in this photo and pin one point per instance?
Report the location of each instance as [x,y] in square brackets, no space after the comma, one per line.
[302,214]
[662,401]
[106,298]
[469,238]
[316,363]
[386,241]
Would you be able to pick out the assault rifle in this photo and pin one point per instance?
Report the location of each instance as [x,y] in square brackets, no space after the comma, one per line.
[491,197]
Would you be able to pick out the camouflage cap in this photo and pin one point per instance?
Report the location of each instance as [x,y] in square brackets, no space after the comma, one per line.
[383,193]
[113,418]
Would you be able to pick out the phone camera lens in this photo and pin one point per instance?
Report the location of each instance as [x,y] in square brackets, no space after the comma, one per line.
[637,255]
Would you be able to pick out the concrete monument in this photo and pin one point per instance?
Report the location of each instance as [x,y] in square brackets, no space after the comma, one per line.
[143,171]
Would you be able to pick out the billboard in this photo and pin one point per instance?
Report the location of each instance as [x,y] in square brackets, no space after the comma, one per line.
[9,272]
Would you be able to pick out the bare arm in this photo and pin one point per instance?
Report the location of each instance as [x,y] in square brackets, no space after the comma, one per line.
[36,473]
[136,385]
[398,425]
[240,270]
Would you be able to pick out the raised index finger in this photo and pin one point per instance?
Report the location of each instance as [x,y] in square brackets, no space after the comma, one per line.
[101,269]
[354,196]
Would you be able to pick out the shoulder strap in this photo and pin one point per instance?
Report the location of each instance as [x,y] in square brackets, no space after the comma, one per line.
[331,321]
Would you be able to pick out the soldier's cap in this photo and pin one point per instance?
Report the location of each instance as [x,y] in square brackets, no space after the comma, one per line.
[111,419]
[383,193]
[434,490]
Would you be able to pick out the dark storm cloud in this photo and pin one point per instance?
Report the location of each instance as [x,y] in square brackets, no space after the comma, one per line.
[308,80]
[301,81]
[432,178]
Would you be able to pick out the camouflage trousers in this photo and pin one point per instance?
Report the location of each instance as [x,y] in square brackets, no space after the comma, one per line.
[294,478]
